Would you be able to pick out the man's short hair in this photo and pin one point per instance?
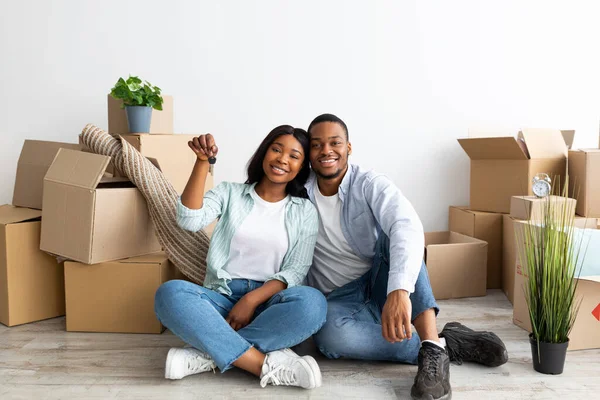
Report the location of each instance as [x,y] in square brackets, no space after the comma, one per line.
[328,118]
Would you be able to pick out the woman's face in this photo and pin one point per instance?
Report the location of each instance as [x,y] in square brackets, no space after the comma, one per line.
[283,159]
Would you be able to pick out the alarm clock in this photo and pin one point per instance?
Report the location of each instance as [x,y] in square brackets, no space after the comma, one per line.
[541,185]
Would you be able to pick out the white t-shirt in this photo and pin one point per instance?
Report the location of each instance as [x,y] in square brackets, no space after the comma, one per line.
[334,262]
[260,242]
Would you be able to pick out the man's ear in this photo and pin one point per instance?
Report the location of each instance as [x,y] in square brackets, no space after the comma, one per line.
[349,148]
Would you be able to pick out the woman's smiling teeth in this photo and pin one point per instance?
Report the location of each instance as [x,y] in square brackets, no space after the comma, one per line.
[278,170]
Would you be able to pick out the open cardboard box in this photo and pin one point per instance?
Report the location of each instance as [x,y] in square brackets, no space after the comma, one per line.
[502,167]
[168,152]
[484,226]
[586,330]
[456,264]
[161,122]
[34,161]
[584,178]
[91,218]
[31,281]
[116,296]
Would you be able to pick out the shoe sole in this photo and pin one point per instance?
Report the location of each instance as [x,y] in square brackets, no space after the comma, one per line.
[314,367]
[168,375]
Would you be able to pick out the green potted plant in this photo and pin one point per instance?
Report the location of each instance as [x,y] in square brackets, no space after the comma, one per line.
[139,98]
[550,255]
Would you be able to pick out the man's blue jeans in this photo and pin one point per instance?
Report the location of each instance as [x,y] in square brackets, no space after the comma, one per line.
[353,327]
[197,316]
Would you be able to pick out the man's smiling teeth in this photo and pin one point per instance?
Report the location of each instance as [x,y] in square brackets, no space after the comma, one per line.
[328,161]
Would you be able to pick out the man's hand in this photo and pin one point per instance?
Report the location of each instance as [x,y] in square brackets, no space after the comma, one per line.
[241,314]
[395,318]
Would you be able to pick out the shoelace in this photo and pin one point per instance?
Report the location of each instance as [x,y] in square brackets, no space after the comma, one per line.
[279,376]
[430,365]
[198,363]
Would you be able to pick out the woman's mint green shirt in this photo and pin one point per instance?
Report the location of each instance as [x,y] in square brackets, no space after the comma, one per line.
[231,203]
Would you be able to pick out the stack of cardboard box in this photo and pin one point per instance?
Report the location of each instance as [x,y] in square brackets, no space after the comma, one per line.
[70,204]
[501,198]
[501,167]
[31,281]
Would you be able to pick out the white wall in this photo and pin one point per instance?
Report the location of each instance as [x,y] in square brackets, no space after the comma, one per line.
[408,77]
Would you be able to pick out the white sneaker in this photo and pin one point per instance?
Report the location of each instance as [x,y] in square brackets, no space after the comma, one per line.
[284,367]
[183,362]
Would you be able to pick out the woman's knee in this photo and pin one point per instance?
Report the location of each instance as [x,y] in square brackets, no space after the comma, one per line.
[169,292]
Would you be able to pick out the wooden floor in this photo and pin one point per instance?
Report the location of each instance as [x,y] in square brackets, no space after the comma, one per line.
[42,361]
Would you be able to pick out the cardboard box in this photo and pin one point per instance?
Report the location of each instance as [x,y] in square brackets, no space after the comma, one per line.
[586,329]
[484,226]
[116,296]
[92,219]
[171,154]
[585,223]
[162,121]
[584,180]
[31,281]
[502,167]
[34,161]
[456,265]
[532,208]
[509,257]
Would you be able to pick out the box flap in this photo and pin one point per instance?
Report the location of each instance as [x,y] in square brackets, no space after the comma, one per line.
[449,238]
[586,150]
[154,162]
[107,178]
[568,136]
[10,214]
[77,168]
[467,210]
[497,148]
[39,152]
[544,143]
[34,161]
[154,258]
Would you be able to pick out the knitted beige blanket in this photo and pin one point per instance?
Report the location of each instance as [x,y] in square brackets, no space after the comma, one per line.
[186,250]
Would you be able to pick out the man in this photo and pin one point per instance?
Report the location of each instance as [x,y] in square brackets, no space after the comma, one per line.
[368,261]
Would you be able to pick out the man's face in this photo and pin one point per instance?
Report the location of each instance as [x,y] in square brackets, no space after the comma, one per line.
[329,150]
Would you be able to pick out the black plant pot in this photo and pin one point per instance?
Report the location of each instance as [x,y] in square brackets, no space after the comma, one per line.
[551,356]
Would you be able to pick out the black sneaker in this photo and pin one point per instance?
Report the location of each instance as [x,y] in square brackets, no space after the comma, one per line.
[465,344]
[433,377]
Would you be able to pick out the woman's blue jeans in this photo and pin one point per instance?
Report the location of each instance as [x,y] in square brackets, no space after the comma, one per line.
[197,316]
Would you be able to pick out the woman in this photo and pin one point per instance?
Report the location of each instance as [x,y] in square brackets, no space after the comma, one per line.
[252,307]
